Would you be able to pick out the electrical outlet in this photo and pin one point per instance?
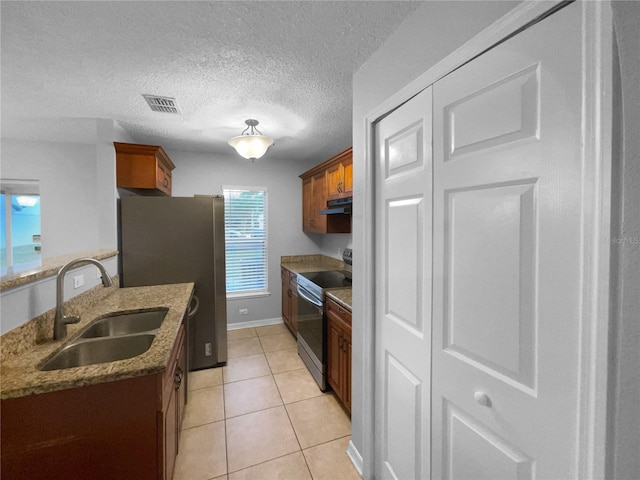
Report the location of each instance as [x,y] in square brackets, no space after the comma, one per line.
[78,281]
[207,349]
[244,311]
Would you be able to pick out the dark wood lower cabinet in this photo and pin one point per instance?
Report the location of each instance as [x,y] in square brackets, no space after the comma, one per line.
[125,429]
[339,351]
[174,399]
[289,299]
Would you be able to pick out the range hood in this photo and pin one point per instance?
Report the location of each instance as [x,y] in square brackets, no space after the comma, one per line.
[341,205]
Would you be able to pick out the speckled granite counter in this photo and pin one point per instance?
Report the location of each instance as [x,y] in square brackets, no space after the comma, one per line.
[340,295]
[49,268]
[24,349]
[310,263]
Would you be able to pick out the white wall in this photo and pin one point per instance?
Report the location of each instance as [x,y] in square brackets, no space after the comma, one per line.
[68,182]
[332,244]
[78,199]
[21,304]
[431,33]
[198,173]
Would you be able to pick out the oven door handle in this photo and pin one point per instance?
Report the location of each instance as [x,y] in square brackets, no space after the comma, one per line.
[308,296]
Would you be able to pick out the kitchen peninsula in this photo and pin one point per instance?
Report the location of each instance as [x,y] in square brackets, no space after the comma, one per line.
[71,423]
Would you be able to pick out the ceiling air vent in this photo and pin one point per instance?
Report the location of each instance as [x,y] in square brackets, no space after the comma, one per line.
[162,104]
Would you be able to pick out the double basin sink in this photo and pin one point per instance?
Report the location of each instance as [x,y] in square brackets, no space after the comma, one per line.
[117,336]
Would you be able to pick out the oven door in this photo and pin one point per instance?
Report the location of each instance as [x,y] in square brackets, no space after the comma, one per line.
[312,335]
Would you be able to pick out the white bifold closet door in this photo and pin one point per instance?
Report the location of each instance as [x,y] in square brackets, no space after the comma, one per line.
[478,266]
[403,290]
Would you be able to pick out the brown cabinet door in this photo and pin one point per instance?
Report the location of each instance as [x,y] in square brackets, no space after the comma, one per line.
[334,354]
[181,387]
[163,179]
[347,370]
[174,390]
[335,181]
[347,186]
[286,297]
[319,202]
[307,204]
[339,351]
[329,180]
[293,312]
[340,179]
[170,437]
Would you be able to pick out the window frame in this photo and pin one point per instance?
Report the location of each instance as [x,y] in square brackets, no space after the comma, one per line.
[264,291]
[10,187]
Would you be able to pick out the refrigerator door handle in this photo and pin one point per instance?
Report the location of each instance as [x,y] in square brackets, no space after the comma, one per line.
[193,309]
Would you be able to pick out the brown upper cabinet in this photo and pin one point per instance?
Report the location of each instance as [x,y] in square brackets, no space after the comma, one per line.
[339,176]
[330,180]
[144,169]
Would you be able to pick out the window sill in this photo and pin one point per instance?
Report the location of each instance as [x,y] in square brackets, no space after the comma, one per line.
[243,296]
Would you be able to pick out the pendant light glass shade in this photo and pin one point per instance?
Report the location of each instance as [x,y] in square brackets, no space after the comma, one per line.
[253,144]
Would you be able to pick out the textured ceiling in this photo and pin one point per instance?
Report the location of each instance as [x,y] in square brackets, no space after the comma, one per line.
[288,64]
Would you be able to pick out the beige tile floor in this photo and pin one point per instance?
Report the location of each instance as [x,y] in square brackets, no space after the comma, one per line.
[262,417]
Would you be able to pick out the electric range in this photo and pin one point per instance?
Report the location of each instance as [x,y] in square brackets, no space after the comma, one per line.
[312,323]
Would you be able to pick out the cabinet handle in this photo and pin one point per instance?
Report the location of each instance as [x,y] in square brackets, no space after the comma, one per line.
[177,379]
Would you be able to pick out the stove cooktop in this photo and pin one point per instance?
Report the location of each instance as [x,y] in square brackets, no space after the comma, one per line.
[328,279]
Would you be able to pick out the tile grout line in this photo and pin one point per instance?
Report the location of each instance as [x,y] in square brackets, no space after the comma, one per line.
[288,418]
[294,430]
[283,404]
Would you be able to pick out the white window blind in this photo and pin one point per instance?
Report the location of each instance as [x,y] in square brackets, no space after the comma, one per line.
[245,223]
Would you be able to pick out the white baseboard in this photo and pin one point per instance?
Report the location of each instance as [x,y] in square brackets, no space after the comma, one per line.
[355,457]
[254,323]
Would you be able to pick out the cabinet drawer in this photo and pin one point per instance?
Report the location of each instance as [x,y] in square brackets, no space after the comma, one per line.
[339,311]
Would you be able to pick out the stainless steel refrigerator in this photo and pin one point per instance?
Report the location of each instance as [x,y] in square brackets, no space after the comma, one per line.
[175,240]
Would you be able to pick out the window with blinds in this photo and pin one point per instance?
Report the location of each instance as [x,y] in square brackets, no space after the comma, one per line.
[245,223]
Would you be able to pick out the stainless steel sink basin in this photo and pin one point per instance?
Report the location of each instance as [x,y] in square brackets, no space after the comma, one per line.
[99,350]
[126,323]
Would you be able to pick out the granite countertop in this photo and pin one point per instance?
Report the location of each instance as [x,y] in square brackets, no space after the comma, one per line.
[341,296]
[21,377]
[310,263]
[49,268]
[319,263]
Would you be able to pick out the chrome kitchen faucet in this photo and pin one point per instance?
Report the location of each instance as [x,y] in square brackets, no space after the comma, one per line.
[61,321]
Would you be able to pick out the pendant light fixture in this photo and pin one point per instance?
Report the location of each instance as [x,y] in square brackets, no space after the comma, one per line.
[251,143]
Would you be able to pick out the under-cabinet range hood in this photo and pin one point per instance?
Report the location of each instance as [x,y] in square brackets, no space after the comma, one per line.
[341,205]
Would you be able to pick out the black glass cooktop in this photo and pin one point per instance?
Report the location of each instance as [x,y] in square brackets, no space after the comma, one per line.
[328,279]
